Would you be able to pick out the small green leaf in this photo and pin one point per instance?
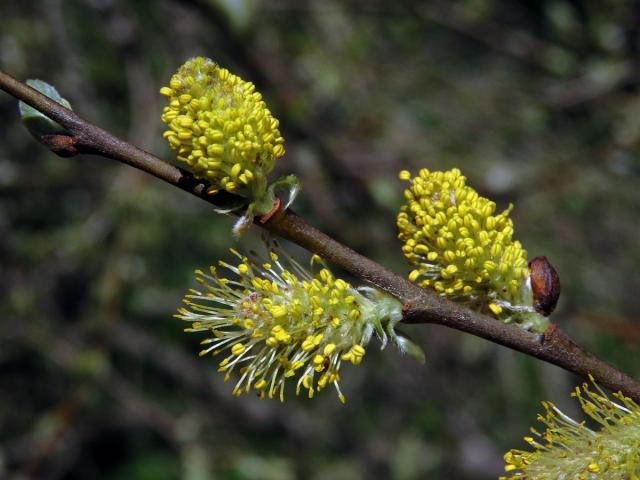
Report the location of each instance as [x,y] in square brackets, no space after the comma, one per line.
[37,123]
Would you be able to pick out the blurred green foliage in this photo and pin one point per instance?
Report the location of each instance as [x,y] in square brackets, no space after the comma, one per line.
[536,102]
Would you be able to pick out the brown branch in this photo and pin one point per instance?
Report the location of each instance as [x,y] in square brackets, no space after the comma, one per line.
[420,306]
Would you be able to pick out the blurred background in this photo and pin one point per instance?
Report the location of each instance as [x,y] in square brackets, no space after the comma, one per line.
[537,102]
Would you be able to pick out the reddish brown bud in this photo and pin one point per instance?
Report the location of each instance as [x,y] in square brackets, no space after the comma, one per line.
[545,284]
[267,216]
[62,145]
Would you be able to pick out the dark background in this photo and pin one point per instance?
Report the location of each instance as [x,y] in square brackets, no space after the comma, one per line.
[537,102]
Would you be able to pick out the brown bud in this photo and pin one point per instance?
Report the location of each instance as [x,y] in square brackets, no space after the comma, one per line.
[62,145]
[267,216]
[545,284]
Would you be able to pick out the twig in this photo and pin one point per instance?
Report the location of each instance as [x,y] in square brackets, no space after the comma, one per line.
[420,306]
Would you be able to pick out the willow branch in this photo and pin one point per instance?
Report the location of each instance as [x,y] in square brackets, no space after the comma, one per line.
[420,306]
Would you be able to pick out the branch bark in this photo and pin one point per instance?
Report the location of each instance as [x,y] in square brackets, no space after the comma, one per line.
[420,306]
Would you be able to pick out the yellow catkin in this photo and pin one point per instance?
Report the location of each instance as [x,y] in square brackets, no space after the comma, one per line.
[275,323]
[220,127]
[569,449]
[457,243]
